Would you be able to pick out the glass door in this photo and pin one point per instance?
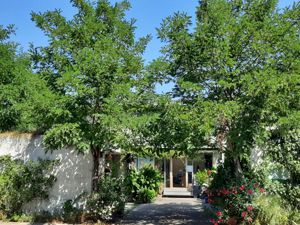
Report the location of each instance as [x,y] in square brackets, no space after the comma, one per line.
[190,172]
[167,172]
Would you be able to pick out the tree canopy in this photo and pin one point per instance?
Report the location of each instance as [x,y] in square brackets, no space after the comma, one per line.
[237,70]
[92,61]
[23,95]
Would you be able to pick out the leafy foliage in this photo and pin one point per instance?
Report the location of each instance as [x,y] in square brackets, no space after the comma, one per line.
[108,199]
[204,176]
[236,196]
[237,71]
[93,62]
[24,97]
[144,185]
[272,211]
[22,182]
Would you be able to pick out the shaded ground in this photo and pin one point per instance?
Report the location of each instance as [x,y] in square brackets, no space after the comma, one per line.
[168,211]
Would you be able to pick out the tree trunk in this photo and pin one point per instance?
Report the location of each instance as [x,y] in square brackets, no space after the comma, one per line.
[97,154]
[236,164]
[237,169]
[96,174]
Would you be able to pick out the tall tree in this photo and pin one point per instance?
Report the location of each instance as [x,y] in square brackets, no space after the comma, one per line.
[92,61]
[237,70]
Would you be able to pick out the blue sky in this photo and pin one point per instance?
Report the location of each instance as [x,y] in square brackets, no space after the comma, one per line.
[149,15]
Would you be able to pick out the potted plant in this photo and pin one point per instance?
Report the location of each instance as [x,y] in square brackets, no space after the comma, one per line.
[161,188]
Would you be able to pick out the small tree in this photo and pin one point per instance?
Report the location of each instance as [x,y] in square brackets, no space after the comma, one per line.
[92,61]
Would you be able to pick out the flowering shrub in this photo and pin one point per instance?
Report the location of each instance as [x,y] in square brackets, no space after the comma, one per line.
[251,198]
[236,201]
[108,199]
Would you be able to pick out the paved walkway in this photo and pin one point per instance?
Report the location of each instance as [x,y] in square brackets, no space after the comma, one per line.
[168,211]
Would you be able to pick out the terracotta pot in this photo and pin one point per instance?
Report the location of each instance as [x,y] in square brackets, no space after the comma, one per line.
[232,221]
[161,189]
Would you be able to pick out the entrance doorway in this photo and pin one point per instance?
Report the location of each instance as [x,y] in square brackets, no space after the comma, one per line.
[179,173]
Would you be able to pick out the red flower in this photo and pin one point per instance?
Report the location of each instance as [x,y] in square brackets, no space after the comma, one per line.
[219,194]
[242,188]
[110,156]
[250,219]
[262,190]
[251,192]
[244,214]
[249,207]
[209,172]
[235,192]
[256,185]
[218,213]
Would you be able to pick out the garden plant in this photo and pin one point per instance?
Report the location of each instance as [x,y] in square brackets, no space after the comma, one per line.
[21,182]
[144,185]
[110,198]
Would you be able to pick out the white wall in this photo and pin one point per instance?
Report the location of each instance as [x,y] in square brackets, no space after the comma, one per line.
[257,156]
[74,174]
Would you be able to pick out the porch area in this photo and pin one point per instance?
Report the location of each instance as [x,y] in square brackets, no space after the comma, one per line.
[178,173]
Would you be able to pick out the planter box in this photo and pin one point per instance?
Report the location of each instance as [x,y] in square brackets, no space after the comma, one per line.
[196,191]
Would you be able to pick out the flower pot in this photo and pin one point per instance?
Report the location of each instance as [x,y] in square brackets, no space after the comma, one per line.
[160,190]
[232,221]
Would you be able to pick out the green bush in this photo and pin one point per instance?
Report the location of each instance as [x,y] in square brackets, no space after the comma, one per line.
[22,182]
[146,195]
[270,211]
[144,185]
[204,176]
[268,203]
[109,198]
[235,196]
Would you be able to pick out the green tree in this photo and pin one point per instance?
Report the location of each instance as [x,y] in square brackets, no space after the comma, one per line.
[23,95]
[236,70]
[93,62]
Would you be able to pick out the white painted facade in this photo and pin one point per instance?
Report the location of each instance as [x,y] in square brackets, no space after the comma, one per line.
[74,174]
